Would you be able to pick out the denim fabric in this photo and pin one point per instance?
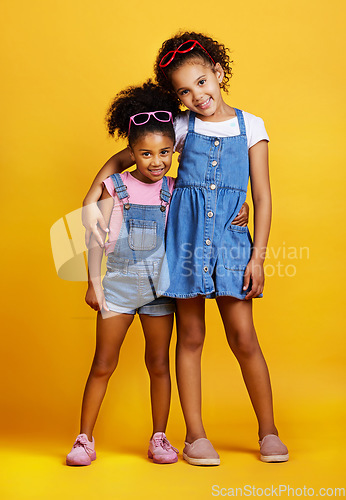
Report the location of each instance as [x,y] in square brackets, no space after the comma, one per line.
[206,253]
[162,306]
[137,271]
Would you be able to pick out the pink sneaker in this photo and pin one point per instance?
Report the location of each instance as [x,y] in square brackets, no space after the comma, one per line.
[161,450]
[83,451]
[272,449]
[201,452]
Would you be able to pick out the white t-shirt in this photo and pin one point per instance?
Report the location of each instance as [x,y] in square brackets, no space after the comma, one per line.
[255,129]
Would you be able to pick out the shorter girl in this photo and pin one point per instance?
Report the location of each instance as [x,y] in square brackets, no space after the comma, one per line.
[136,205]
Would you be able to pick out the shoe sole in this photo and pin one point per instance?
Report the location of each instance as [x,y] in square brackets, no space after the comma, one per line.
[274,458]
[163,461]
[71,463]
[201,461]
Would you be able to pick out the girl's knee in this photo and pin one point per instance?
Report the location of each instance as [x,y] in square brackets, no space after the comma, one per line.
[243,343]
[157,366]
[192,338]
[101,368]
[190,325]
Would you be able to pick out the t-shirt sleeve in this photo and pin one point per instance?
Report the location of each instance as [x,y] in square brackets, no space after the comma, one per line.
[109,185]
[181,125]
[255,129]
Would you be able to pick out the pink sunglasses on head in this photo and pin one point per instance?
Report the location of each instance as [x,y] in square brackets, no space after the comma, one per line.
[182,49]
[160,116]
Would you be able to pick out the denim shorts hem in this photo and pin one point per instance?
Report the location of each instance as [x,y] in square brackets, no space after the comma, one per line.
[149,309]
[159,310]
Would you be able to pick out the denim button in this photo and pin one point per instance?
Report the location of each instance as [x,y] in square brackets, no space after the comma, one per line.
[212,186]
[214,163]
[205,269]
[210,214]
[208,242]
[216,143]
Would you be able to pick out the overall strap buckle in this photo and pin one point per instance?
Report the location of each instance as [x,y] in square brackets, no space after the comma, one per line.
[121,190]
[165,194]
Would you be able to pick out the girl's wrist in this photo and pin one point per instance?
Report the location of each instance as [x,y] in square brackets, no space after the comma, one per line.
[257,262]
[258,255]
[88,201]
[92,196]
[95,285]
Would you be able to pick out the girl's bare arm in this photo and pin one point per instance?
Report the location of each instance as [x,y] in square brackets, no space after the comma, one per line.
[261,195]
[91,214]
[94,295]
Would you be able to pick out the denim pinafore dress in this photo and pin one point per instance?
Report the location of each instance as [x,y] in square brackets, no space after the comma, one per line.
[137,271]
[207,254]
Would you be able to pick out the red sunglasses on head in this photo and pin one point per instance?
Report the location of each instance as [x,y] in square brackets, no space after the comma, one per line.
[182,49]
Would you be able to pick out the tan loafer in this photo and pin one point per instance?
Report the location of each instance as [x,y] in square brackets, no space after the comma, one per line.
[201,452]
[272,449]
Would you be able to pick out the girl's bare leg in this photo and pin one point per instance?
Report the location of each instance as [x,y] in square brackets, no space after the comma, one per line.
[157,331]
[191,333]
[242,339]
[110,334]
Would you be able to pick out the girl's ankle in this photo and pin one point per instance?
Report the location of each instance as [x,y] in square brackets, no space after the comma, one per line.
[191,437]
[266,431]
[89,436]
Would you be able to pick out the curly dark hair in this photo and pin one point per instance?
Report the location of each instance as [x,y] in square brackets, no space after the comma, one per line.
[217,51]
[133,100]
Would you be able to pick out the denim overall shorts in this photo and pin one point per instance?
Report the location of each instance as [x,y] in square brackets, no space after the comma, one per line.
[137,270]
[207,254]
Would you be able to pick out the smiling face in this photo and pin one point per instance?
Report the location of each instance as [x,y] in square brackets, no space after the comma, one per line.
[152,153]
[198,87]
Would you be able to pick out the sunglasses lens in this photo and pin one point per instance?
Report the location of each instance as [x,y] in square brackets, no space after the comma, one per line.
[141,118]
[162,116]
[166,58]
[186,46]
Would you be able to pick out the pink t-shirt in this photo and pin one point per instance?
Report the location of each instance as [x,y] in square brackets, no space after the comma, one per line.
[140,193]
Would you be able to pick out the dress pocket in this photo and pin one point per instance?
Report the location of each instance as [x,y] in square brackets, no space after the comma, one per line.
[142,234]
[237,248]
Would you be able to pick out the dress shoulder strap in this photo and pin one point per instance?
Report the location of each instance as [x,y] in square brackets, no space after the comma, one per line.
[241,121]
[191,121]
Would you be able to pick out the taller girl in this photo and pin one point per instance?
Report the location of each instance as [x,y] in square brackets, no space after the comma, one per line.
[212,257]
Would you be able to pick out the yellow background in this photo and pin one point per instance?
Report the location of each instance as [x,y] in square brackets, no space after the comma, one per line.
[62,62]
